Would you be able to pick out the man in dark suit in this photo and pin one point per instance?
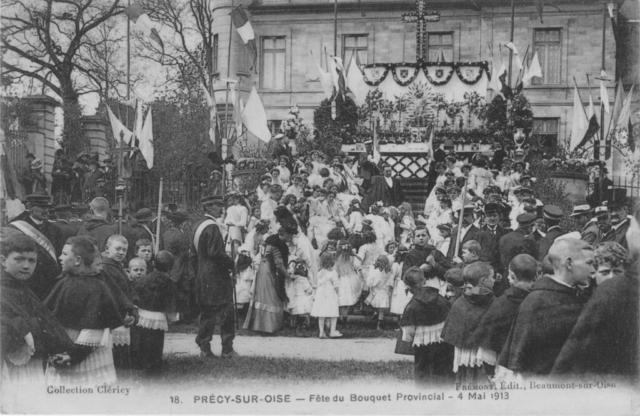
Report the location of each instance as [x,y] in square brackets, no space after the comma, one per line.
[619,221]
[467,233]
[282,148]
[498,156]
[494,231]
[586,219]
[518,242]
[384,188]
[91,178]
[552,215]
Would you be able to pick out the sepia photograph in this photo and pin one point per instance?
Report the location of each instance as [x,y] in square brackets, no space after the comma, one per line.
[320,207]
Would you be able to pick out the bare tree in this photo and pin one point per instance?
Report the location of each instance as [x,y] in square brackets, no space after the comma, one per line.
[43,40]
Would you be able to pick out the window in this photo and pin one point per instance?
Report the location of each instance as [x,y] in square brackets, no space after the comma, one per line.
[548,129]
[214,54]
[274,126]
[440,42]
[273,62]
[357,44]
[547,42]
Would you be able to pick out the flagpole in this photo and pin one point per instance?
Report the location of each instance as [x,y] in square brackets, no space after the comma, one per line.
[578,90]
[225,139]
[513,11]
[602,137]
[335,28]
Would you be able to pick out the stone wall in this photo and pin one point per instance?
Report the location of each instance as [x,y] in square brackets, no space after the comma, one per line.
[41,138]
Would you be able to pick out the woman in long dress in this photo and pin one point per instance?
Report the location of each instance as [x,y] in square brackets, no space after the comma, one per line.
[266,310]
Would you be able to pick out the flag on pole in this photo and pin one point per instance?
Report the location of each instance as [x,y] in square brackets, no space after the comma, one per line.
[592,130]
[117,127]
[245,30]
[604,96]
[140,19]
[325,79]
[495,84]
[146,140]
[130,103]
[137,131]
[336,70]
[579,127]
[591,110]
[625,112]
[534,70]
[213,116]
[355,81]
[505,90]
[617,105]
[516,55]
[255,118]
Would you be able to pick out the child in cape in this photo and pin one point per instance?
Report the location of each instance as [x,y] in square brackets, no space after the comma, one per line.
[30,334]
[464,318]
[300,294]
[325,304]
[85,306]
[144,250]
[155,308]
[380,282]
[422,323]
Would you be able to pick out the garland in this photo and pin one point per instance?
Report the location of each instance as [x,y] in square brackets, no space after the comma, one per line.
[483,68]
[416,70]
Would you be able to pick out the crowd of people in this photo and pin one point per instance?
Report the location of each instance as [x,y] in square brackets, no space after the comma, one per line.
[485,284]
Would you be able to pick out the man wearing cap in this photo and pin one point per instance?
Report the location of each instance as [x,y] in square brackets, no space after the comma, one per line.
[603,222]
[98,226]
[619,221]
[91,178]
[582,213]
[282,148]
[467,233]
[34,222]
[177,242]
[514,243]
[552,215]
[214,284]
[494,231]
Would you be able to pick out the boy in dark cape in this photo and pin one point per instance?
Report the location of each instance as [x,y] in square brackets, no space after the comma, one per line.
[422,322]
[30,334]
[464,318]
[455,284]
[84,305]
[548,314]
[157,301]
[425,256]
[494,327]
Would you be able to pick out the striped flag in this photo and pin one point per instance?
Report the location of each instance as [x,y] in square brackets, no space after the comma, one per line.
[245,30]
[140,19]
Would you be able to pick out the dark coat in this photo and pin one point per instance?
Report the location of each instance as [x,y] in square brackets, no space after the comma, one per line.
[282,150]
[498,158]
[120,285]
[590,233]
[176,242]
[541,327]
[494,241]
[212,264]
[547,241]
[494,327]
[604,341]
[67,230]
[476,234]
[84,302]
[426,308]
[513,244]
[418,256]
[90,181]
[43,278]
[380,191]
[621,233]
[464,318]
[156,292]
[22,313]
[100,229]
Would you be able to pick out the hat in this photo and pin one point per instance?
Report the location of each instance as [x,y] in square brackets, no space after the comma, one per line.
[79,208]
[552,212]
[526,219]
[491,208]
[580,209]
[37,164]
[62,208]
[278,136]
[466,208]
[444,226]
[40,199]
[506,209]
[611,205]
[523,190]
[101,180]
[212,199]
[143,214]
[602,212]
[525,178]
[178,216]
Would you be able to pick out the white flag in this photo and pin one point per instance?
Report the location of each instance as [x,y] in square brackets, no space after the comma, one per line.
[495,83]
[534,70]
[117,127]
[355,81]
[137,130]
[625,113]
[255,118]
[516,55]
[580,122]
[604,97]
[146,140]
[325,79]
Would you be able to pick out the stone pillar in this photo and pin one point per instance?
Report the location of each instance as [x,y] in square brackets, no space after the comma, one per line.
[41,137]
[95,133]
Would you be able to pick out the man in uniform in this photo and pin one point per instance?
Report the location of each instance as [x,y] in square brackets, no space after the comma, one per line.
[34,222]
[607,233]
[517,242]
[492,229]
[214,284]
[552,215]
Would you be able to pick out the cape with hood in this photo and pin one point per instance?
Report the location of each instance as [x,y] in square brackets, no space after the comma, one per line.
[120,285]
[465,316]
[426,308]
[541,327]
[494,327]
[100,229]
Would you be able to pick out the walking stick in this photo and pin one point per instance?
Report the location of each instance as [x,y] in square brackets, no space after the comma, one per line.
[157,247]
[233,281]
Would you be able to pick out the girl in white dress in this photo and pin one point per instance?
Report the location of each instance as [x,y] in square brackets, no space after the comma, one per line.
[326,303]
[400,296]
[354,217]
[380,281]
[347,265]
[300,294]
[407,223]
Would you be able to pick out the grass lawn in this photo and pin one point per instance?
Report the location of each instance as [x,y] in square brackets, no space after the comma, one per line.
[244,371]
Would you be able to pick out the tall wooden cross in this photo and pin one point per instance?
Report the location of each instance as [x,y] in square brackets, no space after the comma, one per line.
[421,17]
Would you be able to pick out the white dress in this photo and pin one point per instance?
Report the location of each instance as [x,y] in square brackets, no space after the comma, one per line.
[244,286]
[350,285]
[380,284]
[325,303]
[405,236]
[369,253]
[300,294]
[400,297]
